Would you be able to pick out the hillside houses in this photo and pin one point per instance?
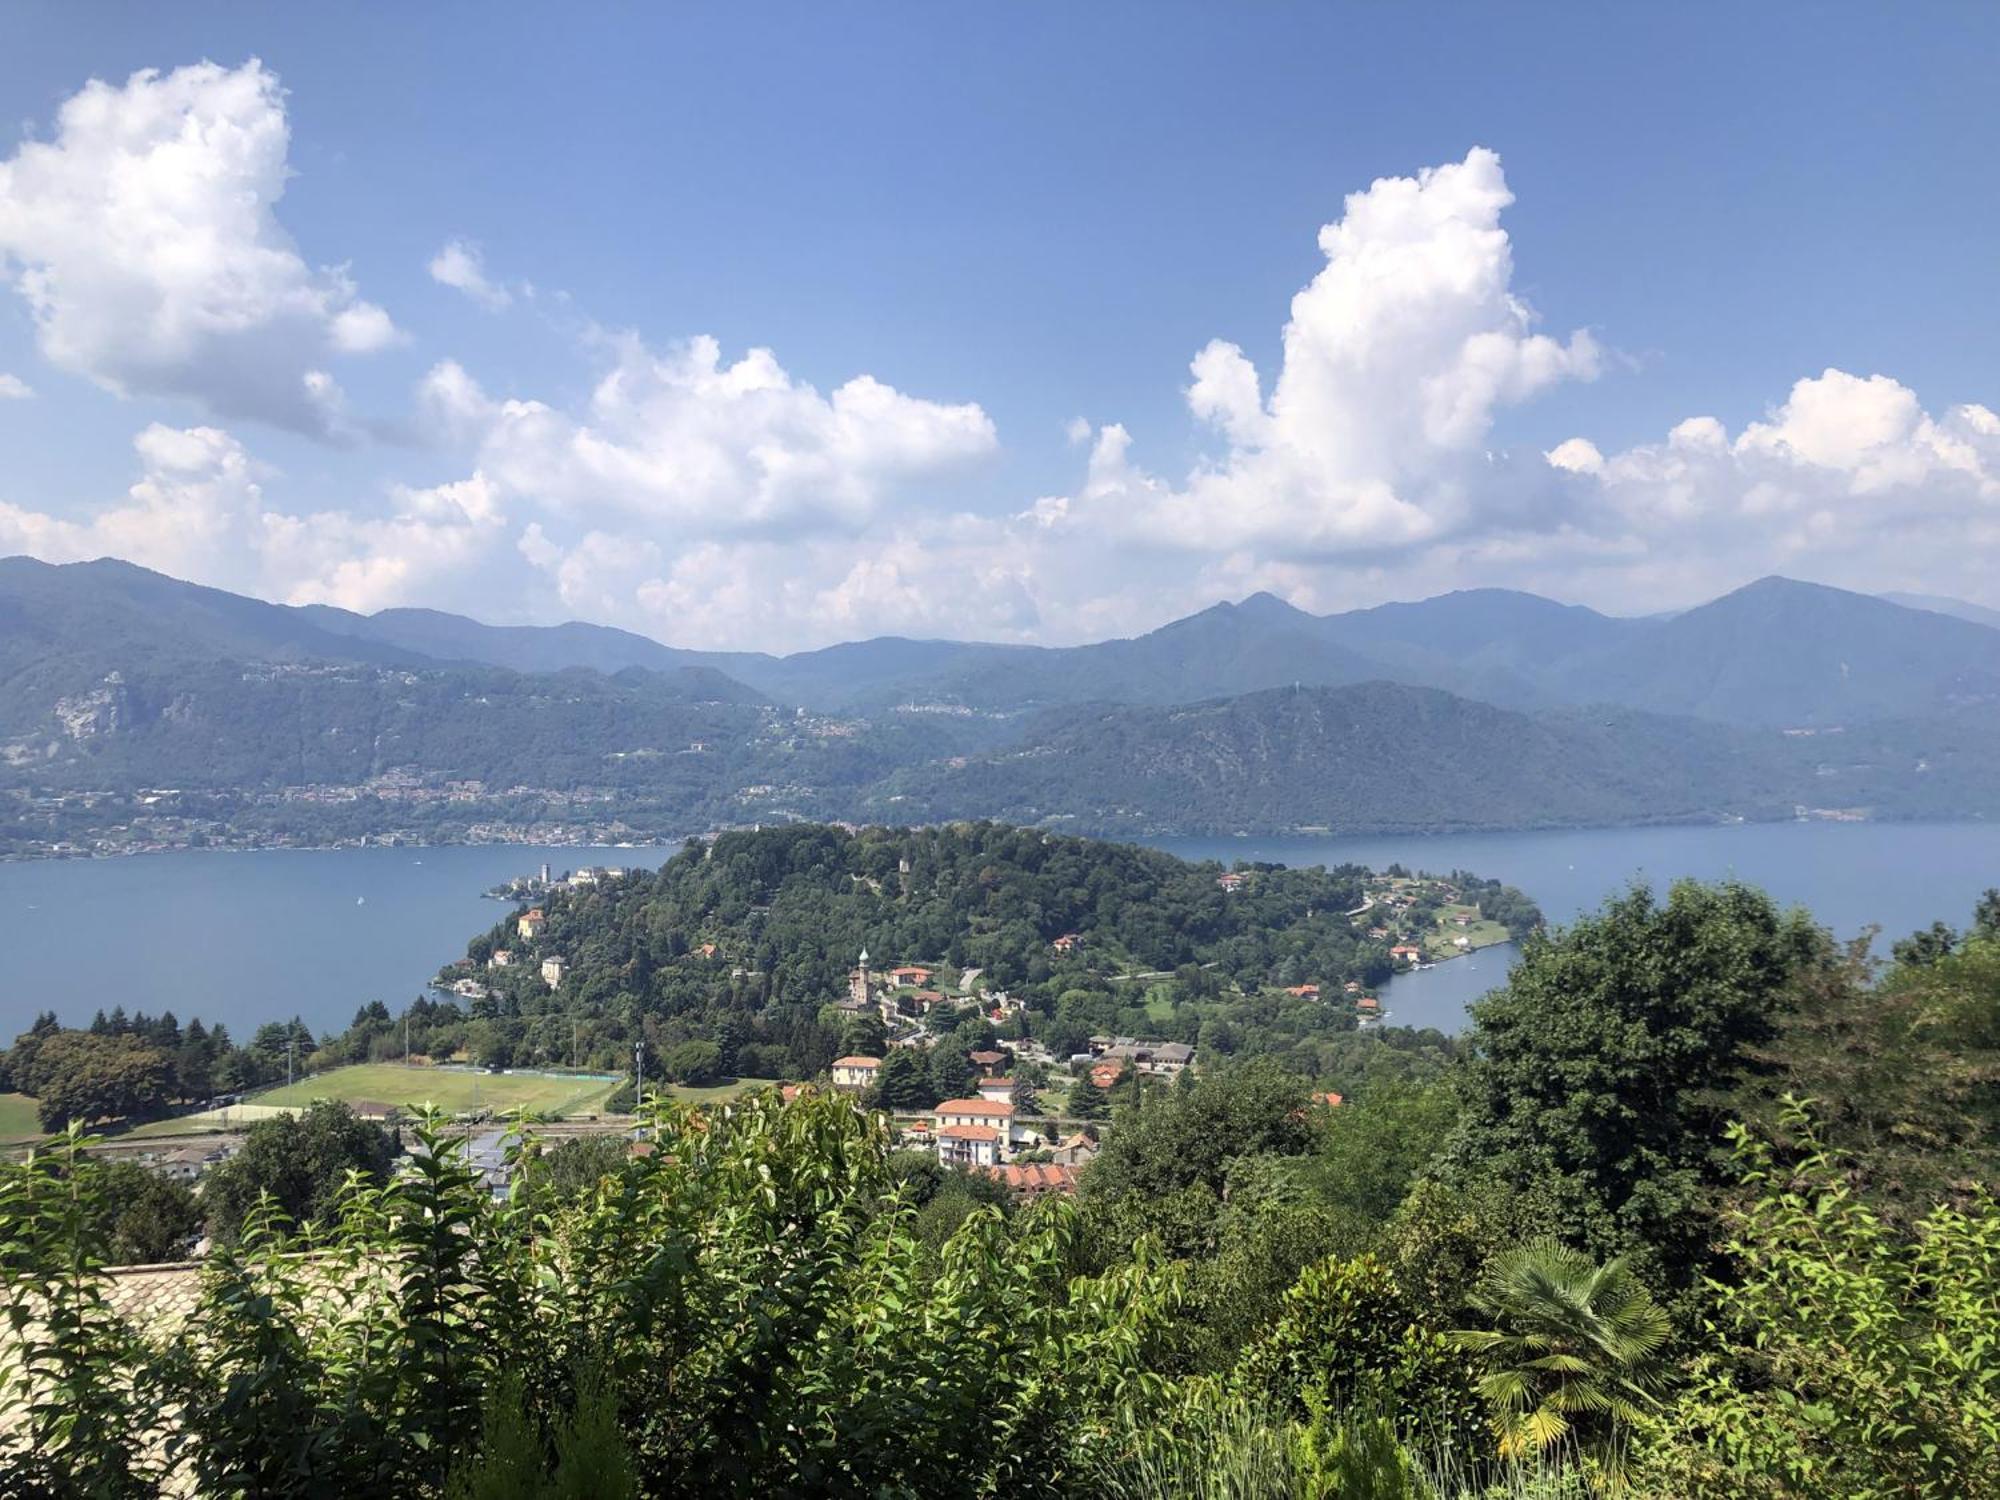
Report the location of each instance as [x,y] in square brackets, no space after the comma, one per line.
[856,1075]
[970,1145]
[1153,1059]
[974,1132]
[1035,1179]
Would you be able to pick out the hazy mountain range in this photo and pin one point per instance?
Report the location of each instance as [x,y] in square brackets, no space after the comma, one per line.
[1485,708]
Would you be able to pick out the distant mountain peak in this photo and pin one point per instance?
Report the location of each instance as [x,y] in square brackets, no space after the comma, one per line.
[1264,602]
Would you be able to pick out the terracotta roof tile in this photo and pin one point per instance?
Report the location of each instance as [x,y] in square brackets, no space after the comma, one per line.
[968,1133]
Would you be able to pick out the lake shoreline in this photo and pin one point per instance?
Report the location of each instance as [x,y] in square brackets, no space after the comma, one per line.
[1149,837]
[243,940]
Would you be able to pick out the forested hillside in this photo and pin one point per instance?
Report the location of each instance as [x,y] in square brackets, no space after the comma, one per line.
[748,941]
[139,712]
[1375,756]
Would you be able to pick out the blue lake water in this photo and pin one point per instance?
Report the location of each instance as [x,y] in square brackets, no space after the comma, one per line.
[245,938]
[1895,876]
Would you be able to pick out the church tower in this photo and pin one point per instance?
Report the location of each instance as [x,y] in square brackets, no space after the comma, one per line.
[858,984]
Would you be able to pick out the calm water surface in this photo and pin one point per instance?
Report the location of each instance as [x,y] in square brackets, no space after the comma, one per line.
[1896,876]
[245,938]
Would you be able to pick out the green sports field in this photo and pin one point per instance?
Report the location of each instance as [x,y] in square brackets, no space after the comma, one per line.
[450,1089]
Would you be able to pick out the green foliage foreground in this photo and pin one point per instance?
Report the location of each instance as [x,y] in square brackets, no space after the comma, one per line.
[1533,1271]
[751,1307]
[752,1290]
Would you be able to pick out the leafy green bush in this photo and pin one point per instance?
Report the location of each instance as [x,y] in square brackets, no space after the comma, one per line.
[1348,1340]
[1848,1360]
[752,1296]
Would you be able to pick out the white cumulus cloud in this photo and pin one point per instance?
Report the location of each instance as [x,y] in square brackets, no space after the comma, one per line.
[143,236]
[1849,480]
[683,439]
[1395,359]
[459,265]
[14,388]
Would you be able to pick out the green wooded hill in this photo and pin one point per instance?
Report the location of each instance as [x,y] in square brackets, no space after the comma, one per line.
[1378,755]
[743,940]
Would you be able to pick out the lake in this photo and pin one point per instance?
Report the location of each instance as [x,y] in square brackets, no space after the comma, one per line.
[1896,876]
[246,938]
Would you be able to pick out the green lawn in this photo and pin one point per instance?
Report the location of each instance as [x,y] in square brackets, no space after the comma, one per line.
[209,1122]
[716,1091]
[1481,934]
[452,1089]
[18,1121]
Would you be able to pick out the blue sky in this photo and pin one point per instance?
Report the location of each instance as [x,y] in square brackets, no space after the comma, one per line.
[1041,213]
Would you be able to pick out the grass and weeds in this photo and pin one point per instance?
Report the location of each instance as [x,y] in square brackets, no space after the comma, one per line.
[452,1089]
[18,1121]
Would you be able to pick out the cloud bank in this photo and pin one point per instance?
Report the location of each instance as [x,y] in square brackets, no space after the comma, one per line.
[198,511]
[713,498]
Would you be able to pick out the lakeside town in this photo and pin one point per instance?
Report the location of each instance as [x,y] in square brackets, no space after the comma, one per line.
[1026,1105]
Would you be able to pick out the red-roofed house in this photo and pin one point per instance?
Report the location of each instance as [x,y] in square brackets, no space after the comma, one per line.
[996,1090]
[969,1146]
[1067,943]
[1033,1179]
[1331,1101]
[1408,951]
[911,974]
[532,922]
[1303,991]
[856,1074]
[974,1112]
[1103,1075]
[986,1062]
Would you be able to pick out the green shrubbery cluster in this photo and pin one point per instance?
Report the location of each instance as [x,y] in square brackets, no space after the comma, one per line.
[1612,1250]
